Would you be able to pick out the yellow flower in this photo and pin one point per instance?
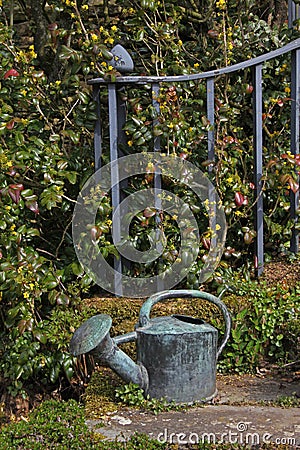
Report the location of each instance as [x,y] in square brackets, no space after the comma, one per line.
[109,40]
[196,65]
[130,143]
[287,89]
[13,227]
[114,28]
[26,295]
[221,4]
[180,42]
[84,7]
[229,180]
[104,64]
[218,227]
[110,67]
[94,37]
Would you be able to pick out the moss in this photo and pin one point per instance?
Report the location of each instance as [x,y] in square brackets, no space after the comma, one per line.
[99,397]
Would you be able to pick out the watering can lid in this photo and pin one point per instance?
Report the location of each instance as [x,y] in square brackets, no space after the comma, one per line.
[176,324]
[90,334]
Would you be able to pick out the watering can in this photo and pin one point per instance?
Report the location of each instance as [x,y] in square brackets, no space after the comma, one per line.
[176,355]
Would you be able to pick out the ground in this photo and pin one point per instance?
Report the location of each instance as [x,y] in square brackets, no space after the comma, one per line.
[257,407]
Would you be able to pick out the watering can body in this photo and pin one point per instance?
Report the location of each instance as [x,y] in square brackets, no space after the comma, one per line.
[179,354]
[176,355]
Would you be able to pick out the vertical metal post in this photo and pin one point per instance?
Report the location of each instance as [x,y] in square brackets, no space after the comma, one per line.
[115,190]
[210,106]
[258,167]
[97,132]
[121,140]
[295,117]
[121,111]
[157,174]
[291,13]
[210,111]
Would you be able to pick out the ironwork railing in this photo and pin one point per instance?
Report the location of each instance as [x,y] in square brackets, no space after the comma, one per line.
[117,116]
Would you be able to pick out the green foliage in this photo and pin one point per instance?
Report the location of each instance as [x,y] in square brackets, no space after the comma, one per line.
[57,424]
[132,395]
[264,327]
[54,424]
[39,279]
[288,402]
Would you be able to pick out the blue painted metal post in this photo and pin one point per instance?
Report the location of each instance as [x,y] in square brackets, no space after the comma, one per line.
[121,110]
[295,117]
[115,190]
[210,99]
[121,140]
[291,13]
[258,167]
[155,88]
[97,132]
[210,111]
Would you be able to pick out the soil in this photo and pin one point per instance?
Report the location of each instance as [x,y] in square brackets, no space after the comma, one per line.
[280,271]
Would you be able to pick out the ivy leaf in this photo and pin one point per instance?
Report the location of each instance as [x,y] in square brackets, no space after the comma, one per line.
[14,192]
[33,206]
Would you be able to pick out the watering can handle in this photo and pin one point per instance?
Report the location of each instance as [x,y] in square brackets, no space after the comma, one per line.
[144,317]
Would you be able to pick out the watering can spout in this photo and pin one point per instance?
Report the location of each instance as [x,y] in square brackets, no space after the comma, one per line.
[93,336]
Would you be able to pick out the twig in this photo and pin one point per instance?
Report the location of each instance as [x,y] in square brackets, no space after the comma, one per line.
[291,363]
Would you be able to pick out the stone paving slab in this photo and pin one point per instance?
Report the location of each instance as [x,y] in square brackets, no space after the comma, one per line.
[213,423]
[237,416]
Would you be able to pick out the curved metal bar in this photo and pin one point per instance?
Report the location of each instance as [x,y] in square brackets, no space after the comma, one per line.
[198,76]
[144,317]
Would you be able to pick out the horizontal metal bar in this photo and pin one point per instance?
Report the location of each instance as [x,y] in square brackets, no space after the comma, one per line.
[198,76]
